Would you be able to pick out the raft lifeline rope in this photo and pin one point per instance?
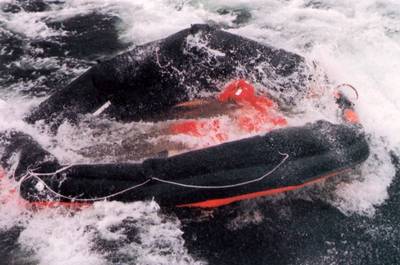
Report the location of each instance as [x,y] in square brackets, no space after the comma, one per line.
[30,174]
[349,86]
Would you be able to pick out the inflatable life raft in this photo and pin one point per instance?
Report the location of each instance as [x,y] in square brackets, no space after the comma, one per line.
[283,159]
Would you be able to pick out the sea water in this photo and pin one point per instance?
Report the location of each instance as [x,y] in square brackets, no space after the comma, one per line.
[354,221]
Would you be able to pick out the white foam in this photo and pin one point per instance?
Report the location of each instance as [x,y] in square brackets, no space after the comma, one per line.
[350,40]
[356,42]
[62,237]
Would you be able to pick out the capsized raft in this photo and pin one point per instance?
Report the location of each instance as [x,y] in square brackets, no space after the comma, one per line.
[281,160]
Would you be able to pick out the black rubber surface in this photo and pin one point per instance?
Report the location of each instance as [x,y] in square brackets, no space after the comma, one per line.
[314,150]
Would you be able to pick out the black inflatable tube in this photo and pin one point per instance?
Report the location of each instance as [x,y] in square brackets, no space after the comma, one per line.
[313,150]
[150,79]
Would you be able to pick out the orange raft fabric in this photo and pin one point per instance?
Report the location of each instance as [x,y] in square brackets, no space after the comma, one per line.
[213,203]
[8,190]
[350,116]
[254,112]
[9,193]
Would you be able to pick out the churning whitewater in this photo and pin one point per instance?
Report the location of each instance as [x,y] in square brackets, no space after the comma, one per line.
[351,220]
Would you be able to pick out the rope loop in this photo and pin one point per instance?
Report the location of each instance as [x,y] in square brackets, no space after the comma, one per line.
[37,176]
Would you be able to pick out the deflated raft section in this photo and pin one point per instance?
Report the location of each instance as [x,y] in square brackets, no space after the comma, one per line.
[171,76]
[282,160]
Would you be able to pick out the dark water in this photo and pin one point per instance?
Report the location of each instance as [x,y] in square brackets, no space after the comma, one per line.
[296,231]
[290,230]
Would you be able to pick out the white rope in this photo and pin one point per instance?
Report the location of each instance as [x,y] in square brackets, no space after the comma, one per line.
[286,156]
[102,108]
[31,171]
[30,174]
